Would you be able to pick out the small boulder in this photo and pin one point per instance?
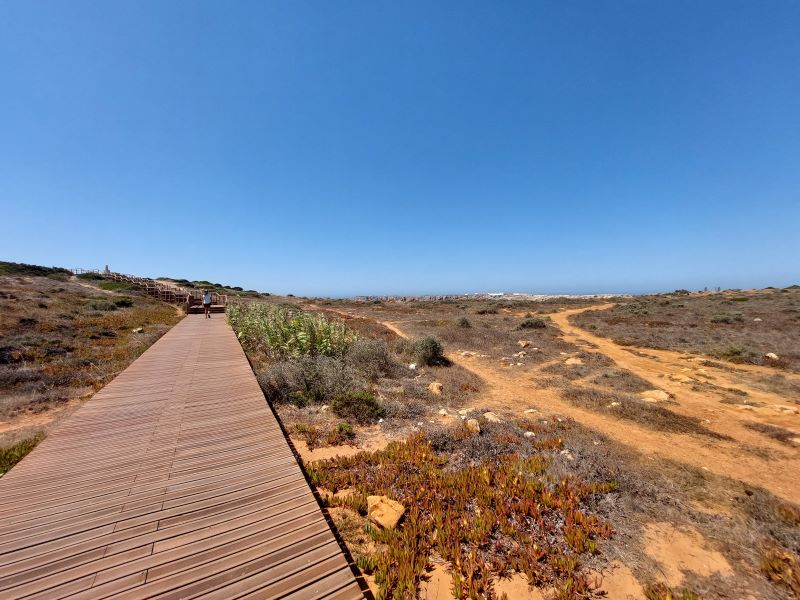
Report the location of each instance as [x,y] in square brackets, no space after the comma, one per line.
[530,410]
[138,330]
[573,361]
[772,356]
[384,511]
[529,434]
[567,454]
[492,418]
[473,425]
[756,320]
[435,388]
[655,395]
[523,343]
[413,366]
[443,412]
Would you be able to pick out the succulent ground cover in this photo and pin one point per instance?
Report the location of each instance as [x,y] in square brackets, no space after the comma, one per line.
[485,502]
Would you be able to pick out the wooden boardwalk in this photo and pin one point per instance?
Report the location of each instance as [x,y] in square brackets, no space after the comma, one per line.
[174,481]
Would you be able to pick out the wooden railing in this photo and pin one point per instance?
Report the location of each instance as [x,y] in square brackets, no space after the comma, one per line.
[160,290]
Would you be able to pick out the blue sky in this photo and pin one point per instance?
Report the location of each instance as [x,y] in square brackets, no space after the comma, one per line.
[336,148]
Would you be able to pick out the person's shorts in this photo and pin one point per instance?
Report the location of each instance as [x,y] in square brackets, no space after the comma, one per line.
[206,305]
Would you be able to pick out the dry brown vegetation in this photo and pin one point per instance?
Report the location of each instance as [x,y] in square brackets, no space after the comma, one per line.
[737,326]
[752,534]
[62,340]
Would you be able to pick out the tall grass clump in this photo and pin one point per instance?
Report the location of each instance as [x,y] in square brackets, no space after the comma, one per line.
[281,332]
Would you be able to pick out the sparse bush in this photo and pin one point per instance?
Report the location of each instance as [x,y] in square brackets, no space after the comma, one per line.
[409,409]
[26,270]
[102,305]
[308,380]
[429,351]
[116,286]
[464,322]
[534,323]
[90,276]
[776,433]
[123,303]
[360,406]
[487,310]
[425,350]
[371,358]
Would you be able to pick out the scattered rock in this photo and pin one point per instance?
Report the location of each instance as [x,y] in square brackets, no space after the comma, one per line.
[435,388]
[492,418]
[138,330]
[323,408]
[795,440]
[529,434]
[413,366]
[567,454]
[573,361]
[772,356]
[615,403]
[443,412]
[655,395]
[464,411]
[523,343]
[530,410]
[681,378]
[467,353]
[473,425]
[786,409]
[756,320]
[521,354]
[384,511]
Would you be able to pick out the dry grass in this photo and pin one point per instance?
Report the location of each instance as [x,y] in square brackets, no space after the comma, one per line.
[722,325]
[772,431]
[57,346]
[631,408]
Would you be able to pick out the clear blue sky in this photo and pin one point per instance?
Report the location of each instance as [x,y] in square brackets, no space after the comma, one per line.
[399,147]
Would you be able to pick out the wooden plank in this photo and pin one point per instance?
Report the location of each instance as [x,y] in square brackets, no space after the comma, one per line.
[174,480]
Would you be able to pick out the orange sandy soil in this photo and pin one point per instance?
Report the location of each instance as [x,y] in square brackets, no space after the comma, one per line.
[677,551]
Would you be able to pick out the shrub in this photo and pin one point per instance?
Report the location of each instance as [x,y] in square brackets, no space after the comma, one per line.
[102,305]
[371,358]
[115,286]
[429,351]
[123,303]
[281,332]
[26,270]
[487,310]
[90,276]
[308,380]
[464,322]
[534,323]
[360,406]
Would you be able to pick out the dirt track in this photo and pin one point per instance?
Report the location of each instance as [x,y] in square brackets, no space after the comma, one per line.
[675,373]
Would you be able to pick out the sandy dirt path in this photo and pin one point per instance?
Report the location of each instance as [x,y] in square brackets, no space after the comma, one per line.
[515,392]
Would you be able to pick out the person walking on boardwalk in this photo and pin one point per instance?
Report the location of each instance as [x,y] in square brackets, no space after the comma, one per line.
[207,303]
